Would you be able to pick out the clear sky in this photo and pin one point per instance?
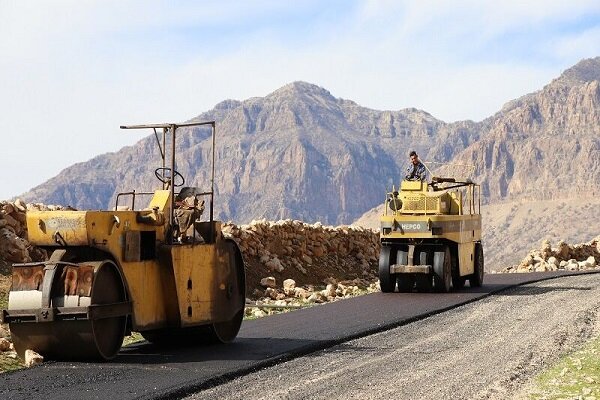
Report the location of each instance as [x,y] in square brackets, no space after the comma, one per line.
[72,71]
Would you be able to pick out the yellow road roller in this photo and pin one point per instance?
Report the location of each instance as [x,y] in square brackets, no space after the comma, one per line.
[431,236]
[143,270]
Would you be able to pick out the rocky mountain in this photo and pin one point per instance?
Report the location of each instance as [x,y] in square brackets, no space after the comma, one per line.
[545,145]
[302,153]
[298,152]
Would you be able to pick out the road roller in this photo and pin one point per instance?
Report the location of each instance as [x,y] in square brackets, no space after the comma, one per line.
[130,269]
[430,236]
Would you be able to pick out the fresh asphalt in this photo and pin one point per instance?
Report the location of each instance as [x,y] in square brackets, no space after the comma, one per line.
[142,371]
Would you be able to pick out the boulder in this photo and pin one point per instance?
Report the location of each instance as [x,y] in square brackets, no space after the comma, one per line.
[289,286]
[32,358]
[4,333]
[268,282]
[4,345]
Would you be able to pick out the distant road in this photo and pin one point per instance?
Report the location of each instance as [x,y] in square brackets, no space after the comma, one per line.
[145,372]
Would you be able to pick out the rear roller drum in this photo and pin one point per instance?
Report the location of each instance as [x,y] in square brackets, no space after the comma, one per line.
[225,332]
[218,332]
[80,339]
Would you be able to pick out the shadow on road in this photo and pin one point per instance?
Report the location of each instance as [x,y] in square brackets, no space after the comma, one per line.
[242,349]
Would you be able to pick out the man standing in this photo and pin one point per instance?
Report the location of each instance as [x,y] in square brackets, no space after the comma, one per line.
[416,171]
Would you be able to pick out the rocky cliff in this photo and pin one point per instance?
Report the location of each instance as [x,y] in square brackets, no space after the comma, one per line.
[545,145]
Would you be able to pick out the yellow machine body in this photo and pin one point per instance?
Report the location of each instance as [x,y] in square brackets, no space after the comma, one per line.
[169,285]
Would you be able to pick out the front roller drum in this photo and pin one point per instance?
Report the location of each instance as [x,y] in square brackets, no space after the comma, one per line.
[81,323]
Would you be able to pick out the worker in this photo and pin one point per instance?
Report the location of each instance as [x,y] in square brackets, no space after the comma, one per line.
[187,212]
[416,171]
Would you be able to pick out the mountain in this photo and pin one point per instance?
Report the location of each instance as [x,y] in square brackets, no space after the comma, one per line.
[298,152]
[545,145]
[302,153]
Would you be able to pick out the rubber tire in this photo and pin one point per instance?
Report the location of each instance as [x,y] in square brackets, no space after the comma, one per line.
[476,280]
[458,282]
[387,257]
[443,284]
[406,282]
[424,283]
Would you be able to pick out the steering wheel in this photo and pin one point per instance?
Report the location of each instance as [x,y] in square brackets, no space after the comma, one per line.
[159,172]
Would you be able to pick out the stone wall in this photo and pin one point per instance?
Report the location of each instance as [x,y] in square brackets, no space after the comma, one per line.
[564,256]
[14,246]
[290,259]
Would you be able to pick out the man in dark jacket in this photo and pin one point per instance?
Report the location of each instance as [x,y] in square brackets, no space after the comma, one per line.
[416,171]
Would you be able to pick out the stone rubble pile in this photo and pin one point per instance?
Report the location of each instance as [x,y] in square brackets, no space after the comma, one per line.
[13,232]
[287,247]
[290,296]
[583,256]
[291,243]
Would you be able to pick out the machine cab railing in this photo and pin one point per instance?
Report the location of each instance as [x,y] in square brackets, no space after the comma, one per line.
[441,196]
[168,199]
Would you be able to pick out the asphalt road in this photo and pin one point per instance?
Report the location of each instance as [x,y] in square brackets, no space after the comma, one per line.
[488,349]
[144,372]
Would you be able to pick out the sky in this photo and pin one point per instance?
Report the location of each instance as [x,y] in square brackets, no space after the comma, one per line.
[73,71]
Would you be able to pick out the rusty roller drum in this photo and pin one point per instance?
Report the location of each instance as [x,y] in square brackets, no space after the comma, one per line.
[78,311]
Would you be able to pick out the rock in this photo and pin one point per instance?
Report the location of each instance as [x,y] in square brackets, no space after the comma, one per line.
[272,293]
[4,333]
[258,313]
[4,345]
[540,267]
[20,205]
[289,286]
[553,261]
[592,261]
[268,282]
[330,290]
[307,259]
[563,264]
[584,265]
[563,250]
[301,293]
[32,358]
[274,264]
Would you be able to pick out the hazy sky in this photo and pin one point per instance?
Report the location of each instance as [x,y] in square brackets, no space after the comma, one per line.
[72,71]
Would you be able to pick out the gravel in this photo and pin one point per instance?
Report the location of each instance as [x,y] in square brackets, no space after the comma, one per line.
[484,350]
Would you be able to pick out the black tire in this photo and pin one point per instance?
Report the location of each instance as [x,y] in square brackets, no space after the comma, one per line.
[423,283]
[443,284]
[406,282]
[458,282]
[476,280]
[387,257]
